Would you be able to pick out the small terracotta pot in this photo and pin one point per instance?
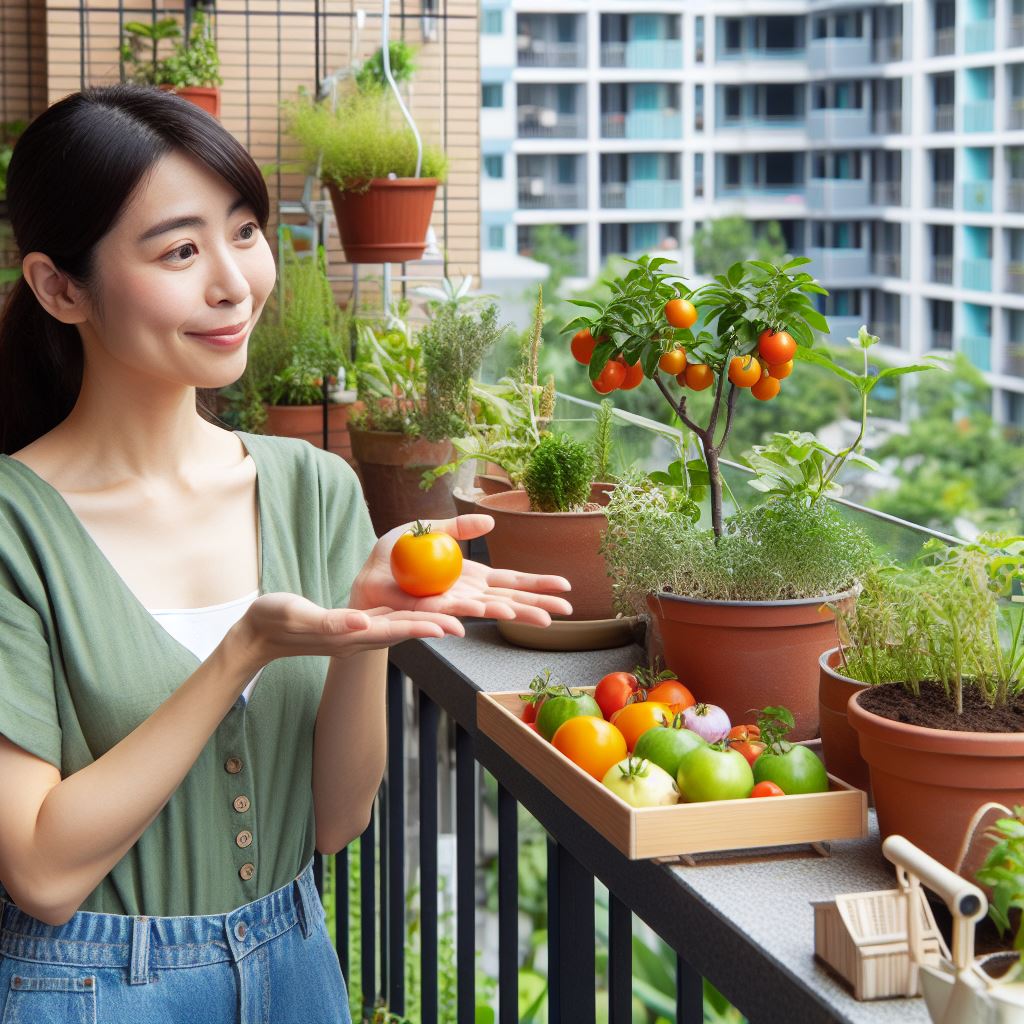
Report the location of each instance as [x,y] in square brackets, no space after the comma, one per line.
[928,783]
[307,422]
[391,466]
[206,98]
[493,484]
[561,543]
[388,222]
[839,744]
[743,655]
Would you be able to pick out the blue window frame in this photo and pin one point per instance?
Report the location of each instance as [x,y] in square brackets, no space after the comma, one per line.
[493,23]
[494,166]
[492,95]
[496,236]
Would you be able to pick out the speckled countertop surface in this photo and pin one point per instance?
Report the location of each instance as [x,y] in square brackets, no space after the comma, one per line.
[767,894]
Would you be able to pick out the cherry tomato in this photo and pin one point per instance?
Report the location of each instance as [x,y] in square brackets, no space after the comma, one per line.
[592,743]
[680,313]
[634,376]
[744,371]
[766,388]
[742,733]
[699,376]
[582,346]
[747,740]
[613,691]
[424,563]
[635,719]
[673,362]
[610,378]
[776,347]
[767,789]
[780,371]
[673,693]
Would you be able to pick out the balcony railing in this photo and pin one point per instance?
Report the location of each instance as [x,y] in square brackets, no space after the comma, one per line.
[979,35]
[978,350]
[886,264]
[642,124]
[1015,278]
[1015,196]
[888,122]
[1016,30]
[763,53]
[944,42]
[942,341]
[547,124]
[544,53]
[1015,111]
[887,193]
[942,195]
[654,54]
[942,269]
[758,122]
[642,195]
[550,195]
[976,274]
[834,266]
[838,54]
[837,195]
[977,196]
[890,48]
[838,124]
[979,116]
[944,118]
[1013,359]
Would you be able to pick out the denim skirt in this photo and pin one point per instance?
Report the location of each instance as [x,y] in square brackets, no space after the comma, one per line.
[268,962]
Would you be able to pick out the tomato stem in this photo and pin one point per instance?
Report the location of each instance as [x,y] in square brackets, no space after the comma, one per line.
[421,529]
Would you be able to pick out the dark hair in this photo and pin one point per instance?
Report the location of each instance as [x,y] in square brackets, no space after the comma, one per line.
[71,173]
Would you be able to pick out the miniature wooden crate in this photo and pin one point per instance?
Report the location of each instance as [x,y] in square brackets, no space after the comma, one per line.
[640,833]
[863,937]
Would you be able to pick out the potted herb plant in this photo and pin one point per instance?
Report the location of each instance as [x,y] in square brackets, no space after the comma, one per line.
[382,191]
[743,627]
[414,390]
[940,723]
[297,346]
[192,69]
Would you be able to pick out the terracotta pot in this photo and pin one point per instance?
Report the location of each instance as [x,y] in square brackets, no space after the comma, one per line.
[391,466]
[207,98]
[388,222]
[839,744]
[492,484]
[928,783]
[562,543]
[743,655]
[307,422]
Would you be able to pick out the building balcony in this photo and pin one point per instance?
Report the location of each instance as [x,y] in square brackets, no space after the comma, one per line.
[642,195]
[944,42]
[942,341]
[942,269]
[642,124]
[834,125]
[763,122]
[943,193]
[793,192]
[1013,359]
[543,53]
[549,124]
[539,194]
[834,266]
[888,122]
[979,116]
[888,49]
[1015,111]
[887,193]
[769,53]
[1016,30]
[976,274]
[1015,278]
[836,55]
[977,196]
[980,35]
[835,195]
[652,54]
[886,264]
[944,117]
[1015,196]
[978,350]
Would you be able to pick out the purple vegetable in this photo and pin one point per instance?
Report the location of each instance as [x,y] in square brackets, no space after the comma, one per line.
[708,721]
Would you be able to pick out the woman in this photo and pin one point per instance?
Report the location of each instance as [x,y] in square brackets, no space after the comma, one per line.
[194,622]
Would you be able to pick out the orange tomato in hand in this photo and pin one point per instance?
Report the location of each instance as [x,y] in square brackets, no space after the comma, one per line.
[744,371]
[635,719]
[590,742]
[582,346]
[673,693]
[424,563]
[680,313]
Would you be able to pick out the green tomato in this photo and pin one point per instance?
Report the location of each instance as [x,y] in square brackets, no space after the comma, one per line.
[798,770]
[557,710]
[666,746]
[711,773]
[641,783]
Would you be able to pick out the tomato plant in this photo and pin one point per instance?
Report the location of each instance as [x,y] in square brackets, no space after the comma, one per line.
[636,718]
[794,768]
[614,690]
[641,783]
[425,563]
[592,743]
[714,772]
[557,710]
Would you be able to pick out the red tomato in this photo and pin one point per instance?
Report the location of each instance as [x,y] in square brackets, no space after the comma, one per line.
[750,749]
[531,709]
[767,789]
[532,725]
[582,347]
[634,376]
[610,378]
[673,693]
[613,691]
[776,347]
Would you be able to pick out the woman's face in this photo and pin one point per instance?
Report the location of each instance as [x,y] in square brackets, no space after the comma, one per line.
[185,258]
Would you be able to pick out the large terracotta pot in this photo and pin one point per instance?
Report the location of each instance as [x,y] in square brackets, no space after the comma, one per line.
[839,744]
[388,222]
[561,543]
[206,98]
[928,783]
[391,466]
[743,655]
[307,422]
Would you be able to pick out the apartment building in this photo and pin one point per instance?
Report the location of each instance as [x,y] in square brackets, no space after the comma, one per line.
[887,140]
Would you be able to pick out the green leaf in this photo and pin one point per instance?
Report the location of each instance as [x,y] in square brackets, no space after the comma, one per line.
[816,320]
[810,355]
[588,303]
[603,351]
[899,371]
[798,261]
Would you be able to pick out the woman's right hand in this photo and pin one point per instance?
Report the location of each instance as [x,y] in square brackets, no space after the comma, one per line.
[288,625]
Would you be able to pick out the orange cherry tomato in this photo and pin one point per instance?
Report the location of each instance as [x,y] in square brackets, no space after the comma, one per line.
[699,376]
[766,388]
[590,742]
[744,371]
[424,563]
[635,719]
[680,313]
[673,362]
[634,376]
[610,378]
[673,693]
[776,347]
[767,789]
[780,371]
[582,346]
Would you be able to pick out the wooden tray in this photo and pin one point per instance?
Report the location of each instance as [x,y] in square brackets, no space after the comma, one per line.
[639,833]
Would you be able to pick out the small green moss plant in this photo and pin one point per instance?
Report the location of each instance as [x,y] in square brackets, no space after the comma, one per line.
[559,474]
[364,138]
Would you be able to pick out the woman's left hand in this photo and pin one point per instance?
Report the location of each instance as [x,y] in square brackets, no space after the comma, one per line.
[479,591]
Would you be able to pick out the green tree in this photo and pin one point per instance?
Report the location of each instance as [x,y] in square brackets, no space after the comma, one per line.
[723,242]
[549,244]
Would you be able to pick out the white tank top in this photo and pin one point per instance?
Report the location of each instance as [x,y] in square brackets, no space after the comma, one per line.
[202,629]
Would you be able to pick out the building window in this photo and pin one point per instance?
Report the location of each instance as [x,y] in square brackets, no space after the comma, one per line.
[698,175]
[493,23]
[698,108]
[494,166]
[496,236]
[698,39]
[492,95]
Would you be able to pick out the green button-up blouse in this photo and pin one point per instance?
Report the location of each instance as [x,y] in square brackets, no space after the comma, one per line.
[83,663]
